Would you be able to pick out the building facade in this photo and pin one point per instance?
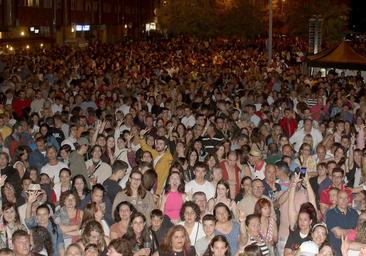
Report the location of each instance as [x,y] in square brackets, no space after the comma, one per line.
[64,21]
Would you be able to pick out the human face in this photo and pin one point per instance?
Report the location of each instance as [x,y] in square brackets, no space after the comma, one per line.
[247,186]
[254,227]
[65,178]
[209,227]
[200,173]
[64,154]
[219,248]
[189,215]
[156,223]
[135,180]
[79,184]
[193,157]
[257,188]
[138,225]
[97,196]
[266,211]
[174,180]
[124,212]
[306,151]
[42,217]
[232,159]
[110,142]
[270,173]
[220,152]
[51,154]
[222,215]
[326,251]
[94,237]
[342,200]
[3,160]
[70,202]
[9,215]
[201,201]
[113,252]
[322,171]
[339,153]
[178,240]
[101,141]
[221,191]
[160,145]
[304,222]
[217,174]
[146,157]
[73,251]
[319,235]
[21,246]
[97,153]
[337,178]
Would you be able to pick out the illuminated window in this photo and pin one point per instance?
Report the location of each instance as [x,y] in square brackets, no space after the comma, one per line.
[1,33]
[31,3]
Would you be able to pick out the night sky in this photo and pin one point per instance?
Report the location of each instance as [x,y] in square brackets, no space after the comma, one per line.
[358,16]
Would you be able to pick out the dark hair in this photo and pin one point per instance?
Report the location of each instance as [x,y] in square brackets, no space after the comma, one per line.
[226,185]
[156,213]
[200,165]
[116,216]
[217,238]
[181,185]
[19,233]
[6,251]
[41,239]
[65,170]
[309,209]
[80,176]
[339,170]
[67,193]
[252,250]
[98,186]
[260,204]
[149,179]
[66,147]
[141,189]
[192,205]
[251,217]
[119,165]
[7,206]
[121,246]
[230,215]
[208,217]
[130,234]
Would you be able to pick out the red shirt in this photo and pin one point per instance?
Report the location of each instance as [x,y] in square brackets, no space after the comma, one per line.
[324,195]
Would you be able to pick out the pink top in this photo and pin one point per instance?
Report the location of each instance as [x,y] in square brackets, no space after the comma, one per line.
[173,204]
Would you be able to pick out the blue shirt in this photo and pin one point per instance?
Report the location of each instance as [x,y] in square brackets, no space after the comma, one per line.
[57,236]
[336,218]
[232,237]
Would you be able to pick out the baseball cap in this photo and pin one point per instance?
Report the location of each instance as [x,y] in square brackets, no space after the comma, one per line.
[83,141]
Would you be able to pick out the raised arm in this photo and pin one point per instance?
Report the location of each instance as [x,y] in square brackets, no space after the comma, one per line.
[291,203]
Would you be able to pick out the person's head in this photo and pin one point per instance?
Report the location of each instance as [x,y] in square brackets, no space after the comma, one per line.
[41,239]
[246,185]
[93,234]
[97,193]
[43,215]
[319,233]
[177,239]
[222,213]
[200,170]
[219,246]
[65,176]
[257,188]
[119,168]
[263,208]
[253,225]
[119,247]
[337,176]
[65,151]
[270,173]
[326,250]
[306,218]
[161,144]
[80,184]
[321,152]
[217,173]
[321,169]
[252,250]
[156,217]
[342,200]
[10,213]
[305,150]
[208,222]
[123,211]
[222,189]
[69,199]
[92,250]
[308,125]
[21,243]
[175,181]
[6,252]
[137,223]
[190,212]
[200,199]
[287,150]
[51,153]
[74,250]
[96,152]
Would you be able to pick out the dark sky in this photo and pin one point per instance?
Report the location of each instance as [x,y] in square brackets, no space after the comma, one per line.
[358,16]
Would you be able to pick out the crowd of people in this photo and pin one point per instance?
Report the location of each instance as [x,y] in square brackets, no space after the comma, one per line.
[180,147]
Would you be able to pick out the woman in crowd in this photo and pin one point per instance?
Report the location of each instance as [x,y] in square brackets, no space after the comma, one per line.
[245,188]
[220,152]
[41,241]
[122,216]
[94,211]
[305,160]
[65,152]
[93,233]
[64,184]
[80,186]
[136,194]
[176,243]
[219,246]
[269,231]
[192,159]
[140,237]
[10,223]
[222,196]
[190,216]
[69,217]
[253,234]
[174,197]
[226,226]
[119,247]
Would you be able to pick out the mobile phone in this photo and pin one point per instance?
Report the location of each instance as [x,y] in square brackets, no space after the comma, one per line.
[302,172]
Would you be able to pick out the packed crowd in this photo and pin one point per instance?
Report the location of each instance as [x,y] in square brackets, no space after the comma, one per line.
[180,147]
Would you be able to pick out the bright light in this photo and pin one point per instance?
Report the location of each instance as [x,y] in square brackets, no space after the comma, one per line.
[125,25]
[36,31]
[27,46]
[31,29]
[11,48]
[7,46]
[22,33]
[72,30]
[41,45]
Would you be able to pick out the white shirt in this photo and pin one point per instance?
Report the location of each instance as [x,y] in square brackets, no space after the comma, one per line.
[53,171]
[298,137]
[207,188]
[188,122]
[197,232]
[103,170]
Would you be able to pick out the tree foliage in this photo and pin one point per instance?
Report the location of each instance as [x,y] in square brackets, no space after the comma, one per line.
[203,18]
[334,18]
